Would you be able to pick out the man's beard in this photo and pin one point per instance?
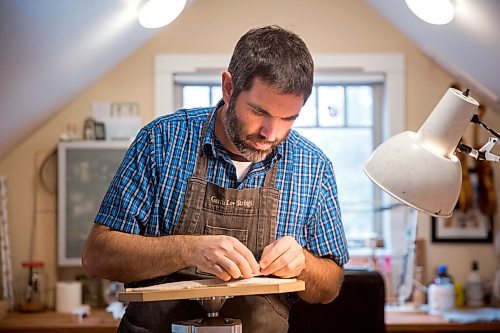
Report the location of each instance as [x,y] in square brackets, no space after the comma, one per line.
[234,130]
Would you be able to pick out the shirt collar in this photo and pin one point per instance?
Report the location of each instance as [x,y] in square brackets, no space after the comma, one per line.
[213,148]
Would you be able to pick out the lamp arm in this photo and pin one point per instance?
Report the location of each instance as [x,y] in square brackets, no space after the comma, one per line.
[483,153]
[475,119]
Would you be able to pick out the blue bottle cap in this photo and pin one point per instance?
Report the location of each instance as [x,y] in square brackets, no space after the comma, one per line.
[442,269]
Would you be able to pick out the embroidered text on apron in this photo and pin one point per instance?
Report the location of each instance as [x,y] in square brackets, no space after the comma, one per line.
[249,215]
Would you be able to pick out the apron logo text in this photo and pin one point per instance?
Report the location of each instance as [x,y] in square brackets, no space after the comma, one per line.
[226,202]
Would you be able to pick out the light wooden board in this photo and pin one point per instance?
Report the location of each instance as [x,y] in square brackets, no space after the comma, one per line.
[211,288]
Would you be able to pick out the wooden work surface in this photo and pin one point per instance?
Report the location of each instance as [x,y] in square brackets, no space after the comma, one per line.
[99,321]
[422,322]
[211,288]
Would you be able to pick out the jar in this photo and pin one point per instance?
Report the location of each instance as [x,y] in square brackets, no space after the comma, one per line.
[441,293]
[34,297]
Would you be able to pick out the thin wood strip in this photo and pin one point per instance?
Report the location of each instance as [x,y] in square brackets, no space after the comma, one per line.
[224,289]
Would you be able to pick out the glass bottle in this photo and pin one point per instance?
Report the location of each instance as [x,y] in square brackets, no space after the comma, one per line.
[34,298]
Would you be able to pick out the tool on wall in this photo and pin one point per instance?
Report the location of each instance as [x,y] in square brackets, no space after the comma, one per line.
[486,191]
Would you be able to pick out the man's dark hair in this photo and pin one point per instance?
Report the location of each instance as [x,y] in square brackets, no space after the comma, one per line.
[278,57]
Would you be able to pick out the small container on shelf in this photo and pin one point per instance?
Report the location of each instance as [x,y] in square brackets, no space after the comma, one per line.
[474,288]
[34,297]
[441,292]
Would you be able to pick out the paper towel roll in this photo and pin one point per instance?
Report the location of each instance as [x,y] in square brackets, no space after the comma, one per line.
[68,296]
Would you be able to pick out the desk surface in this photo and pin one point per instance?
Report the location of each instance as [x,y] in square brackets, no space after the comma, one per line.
[100,321]
[422,322]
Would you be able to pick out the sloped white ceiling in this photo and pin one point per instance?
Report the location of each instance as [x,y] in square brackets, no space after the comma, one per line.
[51,50]
[468,47]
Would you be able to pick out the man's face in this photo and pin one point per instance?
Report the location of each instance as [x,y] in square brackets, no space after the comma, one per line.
[260,119]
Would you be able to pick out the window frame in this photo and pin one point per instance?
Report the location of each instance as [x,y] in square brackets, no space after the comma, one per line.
[376,82]
[391,65]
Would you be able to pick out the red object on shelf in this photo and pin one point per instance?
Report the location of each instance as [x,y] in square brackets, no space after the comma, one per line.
[33,264]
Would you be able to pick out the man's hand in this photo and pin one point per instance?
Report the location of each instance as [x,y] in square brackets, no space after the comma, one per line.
[224,256]
[284,258]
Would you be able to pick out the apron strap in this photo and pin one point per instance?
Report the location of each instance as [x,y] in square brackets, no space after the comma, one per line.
[270,179]
[200,169]
[201,166]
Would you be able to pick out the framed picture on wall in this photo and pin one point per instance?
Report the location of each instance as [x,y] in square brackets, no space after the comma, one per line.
[463,227]
[472,221]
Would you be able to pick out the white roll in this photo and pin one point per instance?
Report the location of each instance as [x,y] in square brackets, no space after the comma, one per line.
[68,296]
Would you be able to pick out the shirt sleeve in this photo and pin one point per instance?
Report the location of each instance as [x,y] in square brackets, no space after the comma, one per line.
[325,229]
[129,198]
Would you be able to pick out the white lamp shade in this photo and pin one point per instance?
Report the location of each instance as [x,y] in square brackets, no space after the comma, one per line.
[402,167]
[420,169]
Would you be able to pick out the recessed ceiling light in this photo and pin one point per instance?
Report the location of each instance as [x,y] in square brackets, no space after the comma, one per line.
[159,13]
[432,11]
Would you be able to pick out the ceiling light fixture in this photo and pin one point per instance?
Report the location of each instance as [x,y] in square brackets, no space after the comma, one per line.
[432,11]
[159,13]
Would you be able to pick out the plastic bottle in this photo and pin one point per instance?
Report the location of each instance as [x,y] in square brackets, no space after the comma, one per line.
[441,293]
[474,288]
[459,295]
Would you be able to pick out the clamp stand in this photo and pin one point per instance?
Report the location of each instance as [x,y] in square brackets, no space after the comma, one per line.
[213,323]
[211,293]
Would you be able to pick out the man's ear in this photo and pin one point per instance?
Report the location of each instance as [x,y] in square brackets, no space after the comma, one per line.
[227,86]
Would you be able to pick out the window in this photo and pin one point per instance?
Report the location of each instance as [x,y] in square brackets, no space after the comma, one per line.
[347,116]
[196,96]
[341,119]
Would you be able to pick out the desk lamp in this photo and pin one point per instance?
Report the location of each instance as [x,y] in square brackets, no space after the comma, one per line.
[420,169]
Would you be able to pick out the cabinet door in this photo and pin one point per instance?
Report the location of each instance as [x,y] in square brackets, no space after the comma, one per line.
[85,172]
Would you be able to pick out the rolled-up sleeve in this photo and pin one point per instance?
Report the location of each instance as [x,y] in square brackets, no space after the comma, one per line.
[129,198]
[326,233]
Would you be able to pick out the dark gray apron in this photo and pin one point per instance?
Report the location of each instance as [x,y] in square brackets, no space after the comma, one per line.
[249,215]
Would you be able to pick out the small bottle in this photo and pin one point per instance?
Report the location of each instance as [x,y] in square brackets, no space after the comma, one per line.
[474,288]
[35,292]
[441,293]
[459,295]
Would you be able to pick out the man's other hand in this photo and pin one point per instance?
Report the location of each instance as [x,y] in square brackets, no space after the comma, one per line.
[224,256]
[284,258]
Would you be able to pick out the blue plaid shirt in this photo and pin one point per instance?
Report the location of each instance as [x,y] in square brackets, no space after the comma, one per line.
[146,195]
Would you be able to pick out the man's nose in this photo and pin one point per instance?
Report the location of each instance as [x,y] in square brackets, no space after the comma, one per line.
[270,129]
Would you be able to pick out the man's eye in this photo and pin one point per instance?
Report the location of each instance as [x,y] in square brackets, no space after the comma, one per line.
[291,118]
[255,112]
